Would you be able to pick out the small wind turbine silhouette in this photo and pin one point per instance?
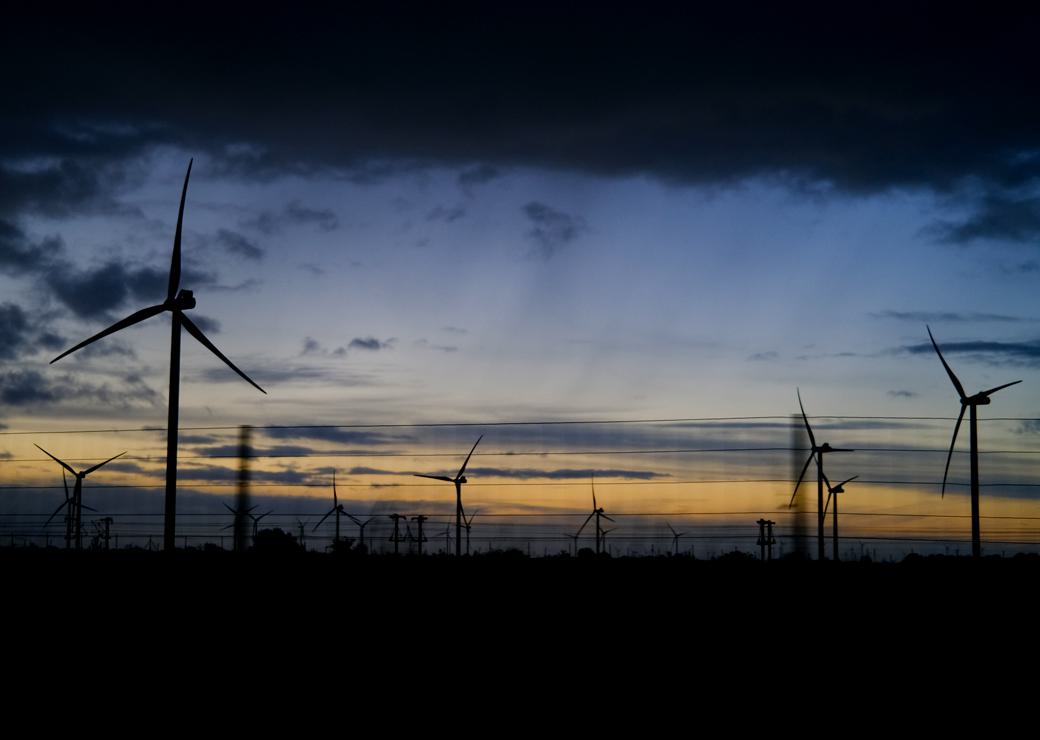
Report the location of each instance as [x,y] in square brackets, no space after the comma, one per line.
[458,480]
[361,528]
[177,302]
[834,491]
[597,511]
[256,524]
[239,514]
[817,453]
[69,515]
[337,509]
[468,524]
[675,537]
[76,502]
[968,402]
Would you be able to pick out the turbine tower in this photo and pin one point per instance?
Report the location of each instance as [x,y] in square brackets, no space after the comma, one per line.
[337,509]
[968,402]
[597,511]
[834,491]
[76,502]
[817,453]
[177,302]
[675,538]
[458,480]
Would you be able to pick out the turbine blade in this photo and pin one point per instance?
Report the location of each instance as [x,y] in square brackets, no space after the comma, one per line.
[197,333]
[827,481]
[949,371]
[88,471]
[354,519]
[593,483]
[434,477]
[227,527]
[800,477]
[583,525]
[466,462]
[175,262]
[320,521]
[812,439]
[671,530]
[65,482]
[828,503]
[847,480]
[84,506]
[62,463]
[607,518]
[230,509]
[956,428]
[1000,387]
[60,507]
[335,501]
[134,318]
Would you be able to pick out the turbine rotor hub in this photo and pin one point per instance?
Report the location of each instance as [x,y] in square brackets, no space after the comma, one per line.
[185,300]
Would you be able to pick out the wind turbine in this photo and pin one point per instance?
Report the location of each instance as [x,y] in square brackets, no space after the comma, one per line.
[76,502]
[597,511]
[240,514]
[337,509]
[675,538]
[968,402]
[834,491]
[817,453]
[468,524]
[256,524]
[69,516]
[361,528]
[177,302]
[458,480]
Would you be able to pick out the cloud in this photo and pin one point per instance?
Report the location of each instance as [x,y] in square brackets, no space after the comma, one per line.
[552,230]
[20,257]
[480,174]
[935,317]
[454,330]
[339,435]
[370,343]
[426,344]
[763,356]
[993,353]
[29,388]
[1028,267]
[313,269]
[447,215]
[1031,426]
[293,214]
[998,216]
[903,394]
[238,245]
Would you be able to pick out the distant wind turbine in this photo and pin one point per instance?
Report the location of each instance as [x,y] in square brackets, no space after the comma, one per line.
[256,524]
[597,511]
[817,453]
[361,528]
[177,302]
[834,491]
[76,502]
[468,524]
[337,509]
[237,545]
[458,480]
[968,402]
[675,537]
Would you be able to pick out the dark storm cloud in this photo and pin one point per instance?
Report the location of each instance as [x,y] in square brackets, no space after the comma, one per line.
[839,96]
[993,353]
[343,436]
[96,291]
[471,177]
[370,343]
[81,181]
[552,230]
[28,388]
[935,317]
[23,334]
[19,256]
[999,217]
[293,214]
[445,214]
[237,245]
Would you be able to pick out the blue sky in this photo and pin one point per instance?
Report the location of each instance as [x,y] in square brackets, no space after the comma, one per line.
[436,240]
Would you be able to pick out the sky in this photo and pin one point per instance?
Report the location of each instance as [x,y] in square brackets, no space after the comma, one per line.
[409,214]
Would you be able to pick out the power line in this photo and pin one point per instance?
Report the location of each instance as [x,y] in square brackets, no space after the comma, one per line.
[546,422]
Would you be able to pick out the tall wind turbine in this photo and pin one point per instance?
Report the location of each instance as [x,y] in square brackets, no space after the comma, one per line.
[817,453]
[76,502]
[675,538]
[361,528]
[968,402]
[177,302]
[597,511]
[834,491]
[458,480]
[337,509]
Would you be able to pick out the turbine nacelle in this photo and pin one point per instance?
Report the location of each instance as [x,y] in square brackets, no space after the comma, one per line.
[184,301]
[979,399]
[461,479]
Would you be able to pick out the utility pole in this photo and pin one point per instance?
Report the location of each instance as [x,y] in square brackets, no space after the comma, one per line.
[242,498]
[419,525]
[396,537]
